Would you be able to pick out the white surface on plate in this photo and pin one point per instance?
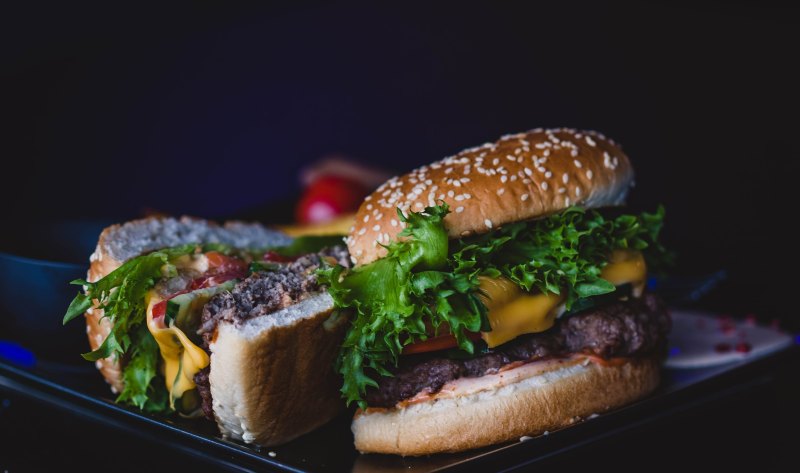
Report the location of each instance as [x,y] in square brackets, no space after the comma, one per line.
[696,336]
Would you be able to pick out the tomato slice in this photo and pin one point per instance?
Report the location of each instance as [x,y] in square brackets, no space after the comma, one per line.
[216,279]
[225,264]
[160,309]
[278,258]
[442,342]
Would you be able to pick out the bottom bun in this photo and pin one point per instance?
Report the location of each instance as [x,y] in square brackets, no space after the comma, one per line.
[541,401]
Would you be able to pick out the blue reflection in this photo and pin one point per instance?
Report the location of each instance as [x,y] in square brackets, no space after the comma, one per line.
[17,354]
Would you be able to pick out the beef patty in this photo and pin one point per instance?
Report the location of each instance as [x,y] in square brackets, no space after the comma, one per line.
[636,327]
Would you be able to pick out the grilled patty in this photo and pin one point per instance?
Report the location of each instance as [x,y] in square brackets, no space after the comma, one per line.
[636,327]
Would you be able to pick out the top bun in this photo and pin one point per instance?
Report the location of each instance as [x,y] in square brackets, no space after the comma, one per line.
[520,177]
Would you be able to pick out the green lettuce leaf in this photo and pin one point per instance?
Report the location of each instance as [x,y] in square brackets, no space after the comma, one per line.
[143,388]
[308,244]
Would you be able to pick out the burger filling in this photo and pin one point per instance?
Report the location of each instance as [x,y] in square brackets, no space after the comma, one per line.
[434,310]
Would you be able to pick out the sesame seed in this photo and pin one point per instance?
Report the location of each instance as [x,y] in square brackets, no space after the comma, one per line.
[590,141]
[562,190]
[503,178]
[369,206]
[566,201]
[496,161]
[450,194]
[351,229]
[513,178]
[459,210]
[501,191]
[376,228]
[393,222]
[609,162]
[578,164]
[386,237]
[528,171]
[526,181]
[577,192]
[457,183]
[565,178]
[574,152]
[366,218]
[448,170]
[524,197]
[589,174]
[419,204]
[362,231]
[459,197]
[548,174]
[488,223]
[544,186]
[428,182]
[510,158]
[465,179]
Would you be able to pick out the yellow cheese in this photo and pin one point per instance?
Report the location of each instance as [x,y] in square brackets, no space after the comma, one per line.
[626,266]
[182,358]
[513,312]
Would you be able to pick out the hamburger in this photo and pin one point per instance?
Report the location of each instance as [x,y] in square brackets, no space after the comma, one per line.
[498,293]
[229,322]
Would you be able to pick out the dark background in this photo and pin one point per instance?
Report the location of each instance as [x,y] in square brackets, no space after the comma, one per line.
[211,108]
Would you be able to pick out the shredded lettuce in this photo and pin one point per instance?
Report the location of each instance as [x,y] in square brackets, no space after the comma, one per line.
[121,295]
[426,280]
[562,253]
[396,297]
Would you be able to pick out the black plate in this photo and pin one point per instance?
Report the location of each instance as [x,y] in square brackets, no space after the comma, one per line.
[80,391]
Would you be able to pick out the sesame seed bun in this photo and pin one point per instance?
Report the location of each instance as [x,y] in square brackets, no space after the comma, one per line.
[519,177]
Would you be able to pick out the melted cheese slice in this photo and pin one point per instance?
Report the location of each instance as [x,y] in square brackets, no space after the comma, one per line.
[182,358]
[513,312]
[626,266]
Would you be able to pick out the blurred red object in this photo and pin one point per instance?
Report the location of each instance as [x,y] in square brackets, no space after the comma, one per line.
[328,197]
[335,186]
